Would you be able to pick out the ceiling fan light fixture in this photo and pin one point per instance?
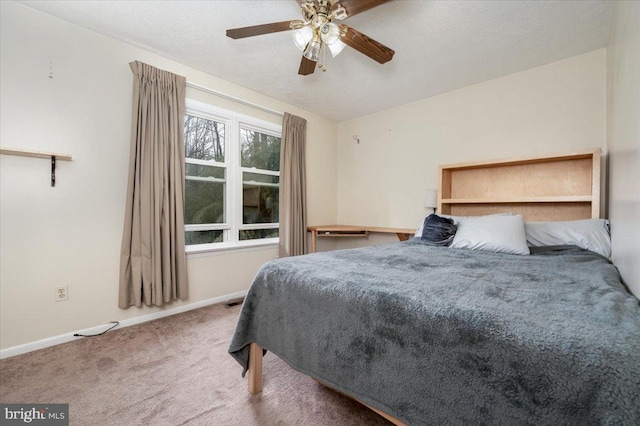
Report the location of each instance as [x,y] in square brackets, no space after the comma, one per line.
[302,36]
[336,47]
[329,33]
[312,52]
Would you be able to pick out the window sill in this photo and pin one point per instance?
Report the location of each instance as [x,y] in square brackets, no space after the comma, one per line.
[226,248]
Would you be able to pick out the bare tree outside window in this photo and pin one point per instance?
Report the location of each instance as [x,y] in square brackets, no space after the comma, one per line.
[260,150]
[204,139]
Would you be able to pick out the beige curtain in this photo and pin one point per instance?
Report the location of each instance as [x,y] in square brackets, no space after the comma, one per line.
[293,199]
[153,266]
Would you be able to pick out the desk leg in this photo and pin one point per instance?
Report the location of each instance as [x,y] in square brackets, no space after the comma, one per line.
[313,241]
[404,237]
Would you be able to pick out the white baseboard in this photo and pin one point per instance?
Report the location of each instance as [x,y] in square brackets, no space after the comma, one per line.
[68,337]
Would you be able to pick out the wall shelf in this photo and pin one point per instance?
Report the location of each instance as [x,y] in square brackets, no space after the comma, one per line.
[53,156]
[34,154]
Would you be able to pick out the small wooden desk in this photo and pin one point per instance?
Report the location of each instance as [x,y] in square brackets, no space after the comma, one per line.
[354,231]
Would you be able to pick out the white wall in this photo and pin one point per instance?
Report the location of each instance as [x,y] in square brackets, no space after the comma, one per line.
[623,139]
[71,234]
[382,181]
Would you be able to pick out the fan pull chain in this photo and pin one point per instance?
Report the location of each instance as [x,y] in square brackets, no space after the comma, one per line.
[323,50]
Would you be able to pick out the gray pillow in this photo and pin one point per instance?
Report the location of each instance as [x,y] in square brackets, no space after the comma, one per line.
[589,234]
[498,234]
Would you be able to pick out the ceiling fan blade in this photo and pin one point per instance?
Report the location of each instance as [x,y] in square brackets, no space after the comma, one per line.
[354,7]
[255,30]
[307,66]
[366,45]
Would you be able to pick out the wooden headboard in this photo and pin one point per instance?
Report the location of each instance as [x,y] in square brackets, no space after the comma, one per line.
[546,188]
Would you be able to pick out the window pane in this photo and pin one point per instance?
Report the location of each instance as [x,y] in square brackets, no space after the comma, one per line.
[255,234]
[204,171]
[203,237]
[204,202]
[203,138]
[260,200]
[259,150]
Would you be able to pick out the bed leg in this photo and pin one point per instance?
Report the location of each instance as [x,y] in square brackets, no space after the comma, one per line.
[255,369]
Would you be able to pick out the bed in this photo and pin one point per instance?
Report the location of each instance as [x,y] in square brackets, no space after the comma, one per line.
[439,335]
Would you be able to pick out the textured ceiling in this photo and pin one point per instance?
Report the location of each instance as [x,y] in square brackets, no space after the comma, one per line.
[440,45]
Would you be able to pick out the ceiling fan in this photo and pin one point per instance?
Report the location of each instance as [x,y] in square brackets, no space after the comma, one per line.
[317,32]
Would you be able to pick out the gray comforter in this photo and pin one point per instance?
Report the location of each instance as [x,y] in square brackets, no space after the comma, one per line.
[436,335]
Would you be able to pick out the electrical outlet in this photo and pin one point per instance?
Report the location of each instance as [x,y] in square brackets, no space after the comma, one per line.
[62,293]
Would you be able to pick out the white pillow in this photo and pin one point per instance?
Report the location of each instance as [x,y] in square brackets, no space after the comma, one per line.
[456,220]
[499,234]
[589,234]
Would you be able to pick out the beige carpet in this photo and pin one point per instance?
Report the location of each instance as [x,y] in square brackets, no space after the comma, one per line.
[173,371]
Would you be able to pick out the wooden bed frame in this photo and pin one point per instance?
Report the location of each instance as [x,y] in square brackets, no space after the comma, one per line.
[553,187]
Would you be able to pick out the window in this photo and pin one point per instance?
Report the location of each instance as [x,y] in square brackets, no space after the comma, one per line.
[232,178]
[260,164]
[206,180]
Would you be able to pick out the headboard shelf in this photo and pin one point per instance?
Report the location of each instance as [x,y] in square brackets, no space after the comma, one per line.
[554,187]
[513,161]
[556,199]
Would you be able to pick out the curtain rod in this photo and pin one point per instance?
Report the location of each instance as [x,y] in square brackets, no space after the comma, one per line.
[234,99]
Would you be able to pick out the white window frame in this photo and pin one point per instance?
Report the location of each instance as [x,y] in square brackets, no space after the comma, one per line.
[233,175]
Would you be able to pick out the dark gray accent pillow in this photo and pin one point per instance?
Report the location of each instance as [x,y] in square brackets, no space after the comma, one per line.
[438,230]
